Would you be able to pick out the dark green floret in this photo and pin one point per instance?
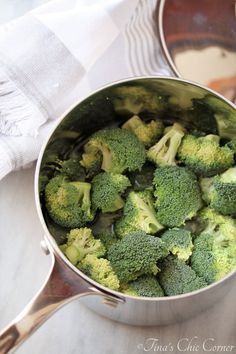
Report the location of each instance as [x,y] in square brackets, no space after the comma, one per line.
[81,242]
[177,195]
[100,270]
[164,151]
[106,191]
[147,133]
[136,99]
[232,145]
[178,242]
[119,150]
[220,191]
[225,116]
[70,168]
[146,285]
[204,155]
[135,255]
[107,238]
[138,214]
[68,203]
[177,278]
[214,250]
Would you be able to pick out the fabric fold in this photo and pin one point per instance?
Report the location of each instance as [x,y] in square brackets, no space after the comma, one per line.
[57,54]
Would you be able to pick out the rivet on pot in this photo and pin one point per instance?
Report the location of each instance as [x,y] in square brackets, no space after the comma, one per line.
[44,247]
[110,302]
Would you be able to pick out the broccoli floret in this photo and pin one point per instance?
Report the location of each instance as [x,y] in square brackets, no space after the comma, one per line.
[100,270]
[146,285]
[225,116]
[232,145]
[214,250]
[176,277]
[139,214]
[178,242]
[136,99]
[106,191]
[68,203]
[81,242]
[135,255]
[107,238]
[70,168]
[177,195]
[147,133]
[220,191]
[91,161]
[120,150]
[204,155]
[164,151]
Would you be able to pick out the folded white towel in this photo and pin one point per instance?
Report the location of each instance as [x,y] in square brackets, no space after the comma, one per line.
[57,54]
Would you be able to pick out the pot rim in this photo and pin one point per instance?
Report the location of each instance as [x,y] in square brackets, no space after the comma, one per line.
[160,11]
[51,239]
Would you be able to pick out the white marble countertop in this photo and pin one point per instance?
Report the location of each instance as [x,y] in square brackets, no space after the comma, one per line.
[75,329]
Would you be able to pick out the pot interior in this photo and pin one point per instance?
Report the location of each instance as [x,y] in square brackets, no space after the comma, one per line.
[196,108]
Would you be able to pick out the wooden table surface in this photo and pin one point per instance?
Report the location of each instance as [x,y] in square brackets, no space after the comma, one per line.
[75,329]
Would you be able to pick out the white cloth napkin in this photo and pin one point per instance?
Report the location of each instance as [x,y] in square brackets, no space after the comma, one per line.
[57,54]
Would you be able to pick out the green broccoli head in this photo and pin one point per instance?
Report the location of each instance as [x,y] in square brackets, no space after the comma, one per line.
[224,114]
[232,145]
[204,155]
[164,151]
[100,270]
[178,242]
[106,191]
[70,168]
[220,191]
[136,99]
[177,195]
[68,203]
[214,250]
[135,255]
[91,161]
[146,285]
[147,133]
[139,214]
[107,238]
[81,242]
[119,149]
[177,278]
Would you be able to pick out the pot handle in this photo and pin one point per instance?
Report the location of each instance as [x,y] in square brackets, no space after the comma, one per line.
[60,287]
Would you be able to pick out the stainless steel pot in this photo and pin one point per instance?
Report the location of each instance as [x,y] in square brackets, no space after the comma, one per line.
[65,282]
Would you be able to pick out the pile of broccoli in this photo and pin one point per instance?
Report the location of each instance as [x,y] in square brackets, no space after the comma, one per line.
[147,209]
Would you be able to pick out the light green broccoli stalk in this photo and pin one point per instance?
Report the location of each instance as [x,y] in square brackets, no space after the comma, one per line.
[214,250]
[139,214]
[147,133]
[177,193]
[177,278]
[68,203]
[178,242]
[119,149]
[100,270]
[135,255]
[81,242]
[106,191]
[204,155]
[220,191]
[146,285]
[164,151]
